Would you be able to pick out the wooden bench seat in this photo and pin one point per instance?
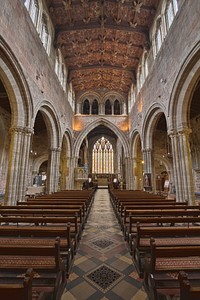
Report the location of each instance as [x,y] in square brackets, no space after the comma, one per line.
[49,268]
[43,213]
[163,236]
[131,226]
[66,228]
[118,202]
[20,289]
[189,288]
[161,268]
[57,204]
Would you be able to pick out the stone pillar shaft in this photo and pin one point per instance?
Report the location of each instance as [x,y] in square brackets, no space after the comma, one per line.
[53,170]
[182,166]
[18,165]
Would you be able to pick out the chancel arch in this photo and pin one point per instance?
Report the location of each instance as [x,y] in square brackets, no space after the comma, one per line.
[88,137]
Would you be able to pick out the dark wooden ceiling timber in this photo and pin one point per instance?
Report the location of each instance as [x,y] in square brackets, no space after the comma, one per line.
[102,41]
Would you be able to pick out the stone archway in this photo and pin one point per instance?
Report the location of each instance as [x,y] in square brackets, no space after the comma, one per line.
[46,142]
[20,113]
[121,137]
[138,163]
[180,125]
[66,158]
[155,113]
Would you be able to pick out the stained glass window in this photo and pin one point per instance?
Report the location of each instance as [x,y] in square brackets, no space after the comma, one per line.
[102,157]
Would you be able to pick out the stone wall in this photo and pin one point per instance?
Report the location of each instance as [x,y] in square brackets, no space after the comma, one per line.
[183,35]
[21,36]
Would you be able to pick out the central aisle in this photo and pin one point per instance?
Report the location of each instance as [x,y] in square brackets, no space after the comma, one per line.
[103,268]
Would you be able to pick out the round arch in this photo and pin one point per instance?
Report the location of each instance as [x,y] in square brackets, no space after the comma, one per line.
[133,141]
[112,96]
[52,122]
[149,123]
[90,95]
[16,87]
[183,89]
[39,161]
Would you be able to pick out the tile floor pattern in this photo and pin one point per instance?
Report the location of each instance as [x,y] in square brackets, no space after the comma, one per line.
[103,268]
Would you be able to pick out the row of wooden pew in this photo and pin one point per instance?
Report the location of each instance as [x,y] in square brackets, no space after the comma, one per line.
[163,237]
[38,242]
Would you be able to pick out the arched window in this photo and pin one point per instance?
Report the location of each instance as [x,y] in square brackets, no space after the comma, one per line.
[57,63]
[169,14]
[108,108]
[171,10]
[95,107]
[158,37]
[102,157]
[86,107]
[27,4]
[117,110]
[34,11]
[44,32]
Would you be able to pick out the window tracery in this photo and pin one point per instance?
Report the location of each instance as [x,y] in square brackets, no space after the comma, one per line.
[102,157]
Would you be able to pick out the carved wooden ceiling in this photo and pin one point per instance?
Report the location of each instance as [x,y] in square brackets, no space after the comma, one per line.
[102,40]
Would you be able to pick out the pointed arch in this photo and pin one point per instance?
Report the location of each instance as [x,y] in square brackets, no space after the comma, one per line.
[101,121]
[52,122]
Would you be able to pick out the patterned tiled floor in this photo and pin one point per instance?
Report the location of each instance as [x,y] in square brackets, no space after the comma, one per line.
[103,268]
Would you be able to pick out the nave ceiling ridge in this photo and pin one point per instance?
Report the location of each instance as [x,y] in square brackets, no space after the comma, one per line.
[102,41]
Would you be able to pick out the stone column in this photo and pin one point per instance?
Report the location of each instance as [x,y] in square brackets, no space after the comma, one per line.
[123,108]
[53,170]
[148,162]
[57,169]
[148,165]
[182,165]
[18,164]
[78,108]
[70,184]
[129,173]
[25,159]
[101,109]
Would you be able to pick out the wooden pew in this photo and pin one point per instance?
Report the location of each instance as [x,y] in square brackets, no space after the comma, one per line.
[14,212]
[155,222]
[49,269]
[69,210]
[58,204]
[20,289]
[189,288]
[119,201]
[163,236]
[164,263]
[67,228]
[128,210]
[170,212]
